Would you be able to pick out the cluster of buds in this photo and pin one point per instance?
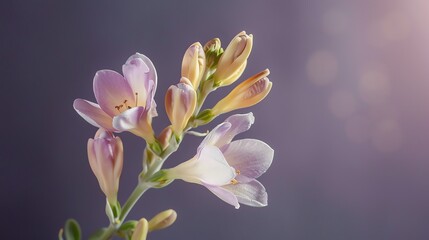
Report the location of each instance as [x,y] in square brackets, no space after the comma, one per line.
[125,102]
[206,69]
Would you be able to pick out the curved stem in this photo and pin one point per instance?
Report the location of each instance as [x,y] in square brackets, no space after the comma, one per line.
[131,201]
[108,233]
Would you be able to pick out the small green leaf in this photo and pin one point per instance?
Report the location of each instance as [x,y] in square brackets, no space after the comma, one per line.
[130,225]
[72,230]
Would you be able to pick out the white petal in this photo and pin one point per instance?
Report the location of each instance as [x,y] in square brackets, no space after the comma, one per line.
[223,194]
[224,133]
[209,167]
[250,157]
[239,123]
[129,119]
[215,136]
[252,193]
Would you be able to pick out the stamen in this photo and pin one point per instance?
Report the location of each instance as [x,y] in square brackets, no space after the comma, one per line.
[234,181]
[137,98]
[237,171]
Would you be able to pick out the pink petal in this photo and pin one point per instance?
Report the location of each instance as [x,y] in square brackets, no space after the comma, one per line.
[150,71]
[129,119]
[223,194]
[250,157]
[252,193]
[111,91]
[139,75]
[93,114]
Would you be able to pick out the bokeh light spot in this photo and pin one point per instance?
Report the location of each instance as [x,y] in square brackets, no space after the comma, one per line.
[322,67]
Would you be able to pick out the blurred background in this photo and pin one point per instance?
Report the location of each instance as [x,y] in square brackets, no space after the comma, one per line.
[348,115]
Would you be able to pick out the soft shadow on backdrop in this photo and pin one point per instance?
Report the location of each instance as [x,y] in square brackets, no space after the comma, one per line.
[348,115]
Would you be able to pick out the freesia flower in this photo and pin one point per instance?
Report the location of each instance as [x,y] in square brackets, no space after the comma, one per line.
[246,94]
[125,103]
[105,155]
[249,159]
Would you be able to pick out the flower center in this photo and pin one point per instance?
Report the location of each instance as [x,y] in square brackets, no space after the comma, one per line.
[124,105]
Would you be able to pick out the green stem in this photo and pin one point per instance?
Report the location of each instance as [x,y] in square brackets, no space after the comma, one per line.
[131,201]
[108,233]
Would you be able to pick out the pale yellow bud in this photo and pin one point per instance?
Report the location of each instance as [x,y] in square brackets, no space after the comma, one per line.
[141,230]
[162,220]
[233,61]
[193,64]
[246,94]
[180,103]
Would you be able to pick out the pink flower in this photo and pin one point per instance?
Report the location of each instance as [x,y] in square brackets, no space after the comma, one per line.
[125,103]
[249,159]
[105,155]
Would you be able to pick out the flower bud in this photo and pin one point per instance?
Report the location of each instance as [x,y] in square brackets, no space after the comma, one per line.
[162,220]
[193,64]
[180,103]
[105,154]
[141,230]
[246,94]
[165,136]
[213,52]
[233,61]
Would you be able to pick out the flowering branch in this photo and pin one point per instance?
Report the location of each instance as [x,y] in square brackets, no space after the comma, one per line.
[126,103]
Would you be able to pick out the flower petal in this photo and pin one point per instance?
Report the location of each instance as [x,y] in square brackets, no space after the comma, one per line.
[250,157]
[215,136]
[137,73]
[129,119]
[252,193]
[209,167]
[223,194]
[112,91]
[93,114]
[224,133]
[239,123]
[140,72]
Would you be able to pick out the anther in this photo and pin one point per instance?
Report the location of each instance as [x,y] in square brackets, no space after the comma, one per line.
[234,181]
[237,171]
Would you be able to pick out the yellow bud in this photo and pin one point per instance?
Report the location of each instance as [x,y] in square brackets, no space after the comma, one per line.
[180,103]
[193,64]
[162,220]
[141,230]
[233,61]
[246,94]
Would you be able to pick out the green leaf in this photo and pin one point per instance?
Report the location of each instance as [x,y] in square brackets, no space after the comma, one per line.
[72,230]
[130,225]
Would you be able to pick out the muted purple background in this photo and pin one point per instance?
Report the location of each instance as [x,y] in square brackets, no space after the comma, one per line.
[348,115]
